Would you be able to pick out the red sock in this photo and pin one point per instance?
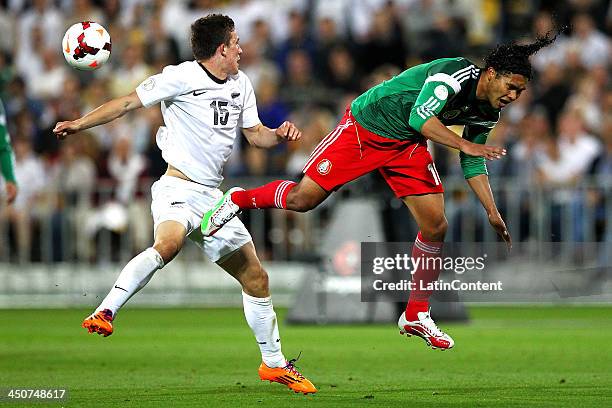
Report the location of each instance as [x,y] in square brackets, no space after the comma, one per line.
[271,195]
[423,275]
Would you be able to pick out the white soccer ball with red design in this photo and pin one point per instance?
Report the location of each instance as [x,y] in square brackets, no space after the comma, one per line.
[86,46]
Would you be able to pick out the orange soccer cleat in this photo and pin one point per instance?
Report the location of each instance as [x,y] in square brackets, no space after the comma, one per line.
[100,322]
[287,375]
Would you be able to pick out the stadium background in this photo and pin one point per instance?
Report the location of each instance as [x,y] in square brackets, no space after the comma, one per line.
[83,204]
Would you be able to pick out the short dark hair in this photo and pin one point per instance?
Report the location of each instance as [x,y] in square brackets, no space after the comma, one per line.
[513,58]
[207,33]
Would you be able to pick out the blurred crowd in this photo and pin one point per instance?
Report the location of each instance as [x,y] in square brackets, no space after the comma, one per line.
[307,59]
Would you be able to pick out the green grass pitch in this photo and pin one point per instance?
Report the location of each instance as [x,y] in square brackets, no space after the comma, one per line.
[507,357]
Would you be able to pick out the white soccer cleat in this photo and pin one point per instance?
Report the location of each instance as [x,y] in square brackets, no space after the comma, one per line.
[426,329]
[220,214]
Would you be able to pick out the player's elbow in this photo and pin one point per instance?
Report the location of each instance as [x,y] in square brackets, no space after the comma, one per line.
[129,103]
[254,141]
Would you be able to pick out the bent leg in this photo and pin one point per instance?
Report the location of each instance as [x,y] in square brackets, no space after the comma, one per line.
[245,267]
[243,264]
[428,212]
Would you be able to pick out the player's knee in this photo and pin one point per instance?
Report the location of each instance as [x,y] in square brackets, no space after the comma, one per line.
[167,248]
[435,231]
[256,281]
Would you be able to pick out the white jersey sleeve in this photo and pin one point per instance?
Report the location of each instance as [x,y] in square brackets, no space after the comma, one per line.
[165,85]
[249,116]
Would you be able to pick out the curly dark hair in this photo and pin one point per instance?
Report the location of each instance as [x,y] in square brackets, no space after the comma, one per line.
[207,33]
[513,58]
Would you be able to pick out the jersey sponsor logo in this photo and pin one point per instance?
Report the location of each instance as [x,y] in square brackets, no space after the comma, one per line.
[177,204]
[451,114]
[441,92]
[149,84]
[198,92]
[324,167]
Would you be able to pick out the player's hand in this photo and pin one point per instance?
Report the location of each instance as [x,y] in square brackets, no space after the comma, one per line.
[11,191]
[488,152]
[63,129]
[288,131]
[499,226]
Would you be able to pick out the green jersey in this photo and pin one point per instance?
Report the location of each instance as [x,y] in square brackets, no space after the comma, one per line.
[445,88]
[7,160]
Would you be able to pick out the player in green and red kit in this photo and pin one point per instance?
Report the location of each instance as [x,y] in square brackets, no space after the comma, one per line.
[7,159]
[386,128]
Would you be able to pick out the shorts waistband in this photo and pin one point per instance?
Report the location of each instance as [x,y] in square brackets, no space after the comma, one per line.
[187,182]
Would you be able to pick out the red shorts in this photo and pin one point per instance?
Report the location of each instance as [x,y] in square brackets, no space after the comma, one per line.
[350,151]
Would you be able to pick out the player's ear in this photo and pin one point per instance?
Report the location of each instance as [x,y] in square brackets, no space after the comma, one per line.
[222,49]
[491,73]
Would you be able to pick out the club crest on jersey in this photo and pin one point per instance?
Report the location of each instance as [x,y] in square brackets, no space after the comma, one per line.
[441,92]
[324,167]
[451,114]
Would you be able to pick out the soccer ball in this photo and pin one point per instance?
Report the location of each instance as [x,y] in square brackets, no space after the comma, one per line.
[86,46]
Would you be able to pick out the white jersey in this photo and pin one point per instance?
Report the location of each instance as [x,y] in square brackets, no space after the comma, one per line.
[201,115]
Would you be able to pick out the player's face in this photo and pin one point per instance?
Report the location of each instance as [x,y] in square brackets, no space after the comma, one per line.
[504,89]
[232,54]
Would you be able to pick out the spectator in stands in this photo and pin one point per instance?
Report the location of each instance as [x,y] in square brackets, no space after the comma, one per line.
[50,32]
[49,82]
[343,75]
[161,49]
[133,69]
[586,101]
[255,64]
[582,148]
[443,39]
[553,90]
[384,43]
[327,38]
[262,40]
[31,178]
[555,54]
[73,179]
[299,38]
[301,88]
[591,45]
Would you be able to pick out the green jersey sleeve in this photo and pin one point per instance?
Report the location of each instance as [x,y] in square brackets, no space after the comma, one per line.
[439,86]
[7,160]
[472,165]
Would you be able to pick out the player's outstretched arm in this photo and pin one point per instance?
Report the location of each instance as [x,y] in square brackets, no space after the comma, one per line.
[435,130]
[105,113]
[262,136]
[481,187]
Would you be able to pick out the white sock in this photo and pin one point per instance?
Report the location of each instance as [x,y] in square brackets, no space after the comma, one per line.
[133,277]
[261,318]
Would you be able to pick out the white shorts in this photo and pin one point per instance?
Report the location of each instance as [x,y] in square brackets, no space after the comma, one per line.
[175,199]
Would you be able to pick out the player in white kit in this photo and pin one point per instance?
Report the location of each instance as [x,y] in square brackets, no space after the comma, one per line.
[203,103]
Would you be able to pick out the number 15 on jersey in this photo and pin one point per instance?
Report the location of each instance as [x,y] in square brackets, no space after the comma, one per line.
[221,115]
